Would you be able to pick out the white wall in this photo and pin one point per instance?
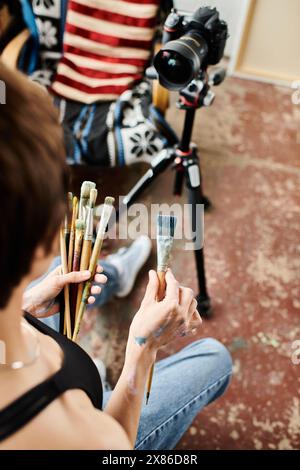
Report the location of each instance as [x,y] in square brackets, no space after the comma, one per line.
[230,10]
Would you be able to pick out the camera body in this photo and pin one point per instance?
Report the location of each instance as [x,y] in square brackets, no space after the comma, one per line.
[190,45]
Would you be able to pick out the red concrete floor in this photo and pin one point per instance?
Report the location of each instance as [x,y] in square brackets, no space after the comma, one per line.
[250,146]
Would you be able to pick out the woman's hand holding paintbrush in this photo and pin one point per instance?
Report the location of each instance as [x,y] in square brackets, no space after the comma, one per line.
[165,236]
[174,316]
[158,323]
[155,325]
[37,298]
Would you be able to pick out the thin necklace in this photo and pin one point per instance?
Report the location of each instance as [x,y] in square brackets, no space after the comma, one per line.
[17,365]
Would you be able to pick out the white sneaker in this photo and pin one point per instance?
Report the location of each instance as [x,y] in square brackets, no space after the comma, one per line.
[102,372]
[128,262]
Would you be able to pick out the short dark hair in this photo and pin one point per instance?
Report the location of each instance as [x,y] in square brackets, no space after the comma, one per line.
[33,177]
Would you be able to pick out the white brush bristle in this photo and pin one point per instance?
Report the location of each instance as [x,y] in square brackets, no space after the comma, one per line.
[106,213]
[166,225]
[86,188]
[109,201]
[93,197]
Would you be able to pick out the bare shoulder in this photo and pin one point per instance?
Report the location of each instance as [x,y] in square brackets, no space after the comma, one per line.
[98,429]
[70,422]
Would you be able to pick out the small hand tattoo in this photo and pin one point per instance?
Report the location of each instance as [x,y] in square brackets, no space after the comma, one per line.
[140,340]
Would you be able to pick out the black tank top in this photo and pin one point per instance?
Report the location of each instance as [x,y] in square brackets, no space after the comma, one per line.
[78,371]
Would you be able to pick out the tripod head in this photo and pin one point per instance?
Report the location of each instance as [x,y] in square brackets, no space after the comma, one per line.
[198,92]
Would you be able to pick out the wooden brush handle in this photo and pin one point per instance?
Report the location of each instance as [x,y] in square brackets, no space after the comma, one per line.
[76,260]
[162,285]
[85,255]
[88,284]
[149,383]
[63,252]
[84,264]
[77,254]
[95,255]
[67,312]
[85,296]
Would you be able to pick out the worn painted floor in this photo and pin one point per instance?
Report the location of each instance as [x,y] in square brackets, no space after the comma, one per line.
[250,146]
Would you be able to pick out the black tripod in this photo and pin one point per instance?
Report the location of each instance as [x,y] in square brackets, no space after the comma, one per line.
[185,161]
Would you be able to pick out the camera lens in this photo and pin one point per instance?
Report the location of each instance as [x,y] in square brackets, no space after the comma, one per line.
[179,61]
[174,67]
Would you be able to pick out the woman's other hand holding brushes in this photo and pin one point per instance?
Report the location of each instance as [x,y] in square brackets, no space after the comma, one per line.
[158,323]
[43,294]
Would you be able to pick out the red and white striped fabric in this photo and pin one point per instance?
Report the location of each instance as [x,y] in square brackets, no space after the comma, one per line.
[107,44]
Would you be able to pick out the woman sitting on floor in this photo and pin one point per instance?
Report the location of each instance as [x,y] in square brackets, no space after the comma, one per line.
[47,379]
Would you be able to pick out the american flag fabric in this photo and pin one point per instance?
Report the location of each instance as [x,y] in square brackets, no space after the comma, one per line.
[106,47]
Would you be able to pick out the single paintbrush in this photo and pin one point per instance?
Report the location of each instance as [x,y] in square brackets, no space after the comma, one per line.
[64,263]
[105,216]
[87,243]
[165,236]
[66,233]
[72,232]
[70,247]
[79,226]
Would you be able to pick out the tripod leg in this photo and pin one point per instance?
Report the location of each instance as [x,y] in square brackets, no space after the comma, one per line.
[204,199]
[204,303]
[195,198]
[179,176]
[159,164]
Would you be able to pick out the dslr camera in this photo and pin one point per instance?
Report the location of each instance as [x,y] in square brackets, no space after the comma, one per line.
[190,45]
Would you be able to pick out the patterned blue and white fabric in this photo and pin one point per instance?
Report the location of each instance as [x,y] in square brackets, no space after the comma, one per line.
[116,133]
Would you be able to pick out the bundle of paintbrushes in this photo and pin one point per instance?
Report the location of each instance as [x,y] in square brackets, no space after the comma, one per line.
[78,253]
[164,237]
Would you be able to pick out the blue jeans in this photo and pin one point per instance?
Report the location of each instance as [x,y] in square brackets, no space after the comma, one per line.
[108,290]
[182,385]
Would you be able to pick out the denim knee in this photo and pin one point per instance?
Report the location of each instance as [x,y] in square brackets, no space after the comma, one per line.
[213,356]
[221,353]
